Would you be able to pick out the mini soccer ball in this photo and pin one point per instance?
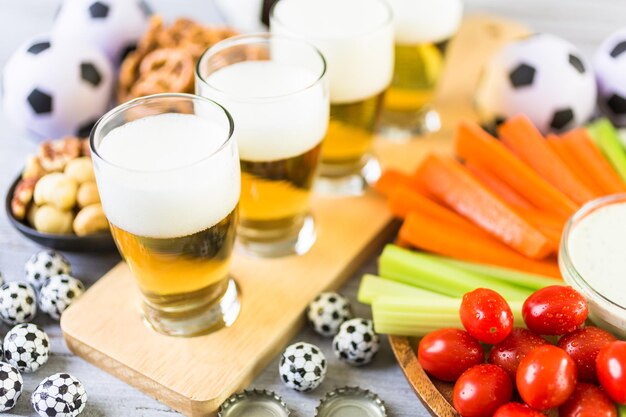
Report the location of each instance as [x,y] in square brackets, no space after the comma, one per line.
[610,66]
[327,311]
[59,395]
[1,279]
[26,347]
[113,26]
[356,343]
[57,293]
[302,366]
[17,303]
[45,264]
[542,76]
[56,88]
[10,386]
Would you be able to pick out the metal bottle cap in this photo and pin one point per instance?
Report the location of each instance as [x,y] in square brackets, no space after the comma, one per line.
[351,402]
[257,403]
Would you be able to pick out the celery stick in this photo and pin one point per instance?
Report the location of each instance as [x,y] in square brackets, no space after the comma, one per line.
[373,286]
[421,270]
[414,316]
[521,279]
[607,139]
[621,410]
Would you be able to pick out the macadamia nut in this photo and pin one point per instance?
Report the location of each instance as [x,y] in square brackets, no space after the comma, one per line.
[56,189]
[87,194]
[81,169]
[89,220]
[50,219]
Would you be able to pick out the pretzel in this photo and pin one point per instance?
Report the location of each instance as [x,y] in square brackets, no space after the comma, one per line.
[22,196]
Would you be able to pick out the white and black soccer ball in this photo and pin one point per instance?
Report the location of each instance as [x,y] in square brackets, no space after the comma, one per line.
[57,293]
[26,347]
[610,65]
[1,279]
[302,366]
[542,76]
[11,384]
[59,395]
[44,265]
[356,343]
[55,88]
[327,311]
[18,303]
[112,26]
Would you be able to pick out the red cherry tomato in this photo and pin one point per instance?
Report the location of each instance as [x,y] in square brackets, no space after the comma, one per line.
[583,345]
[517,410]
[546,377]
[555,310]
[611,370]
[486,315]
[508,353]
[447,353]
[481,390]
[588,401]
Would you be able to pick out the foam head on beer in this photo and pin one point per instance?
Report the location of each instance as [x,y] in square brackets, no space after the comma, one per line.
[157,167]
[355,36]
[292,117]
[420,21]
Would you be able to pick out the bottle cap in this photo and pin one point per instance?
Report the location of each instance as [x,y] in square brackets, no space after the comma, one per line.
[253,403]
[351,402]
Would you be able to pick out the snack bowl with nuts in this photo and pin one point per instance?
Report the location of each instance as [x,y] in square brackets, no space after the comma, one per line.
[55,201]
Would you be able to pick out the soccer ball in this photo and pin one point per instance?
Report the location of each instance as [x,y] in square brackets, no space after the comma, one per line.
[26,347]
[44,265]
[542,76]
[59,395]
[327,311]
[356,343]
[113,26]
[58,293]
[10,386]
[610,66]
[18,303]
[55,88]
[302,366]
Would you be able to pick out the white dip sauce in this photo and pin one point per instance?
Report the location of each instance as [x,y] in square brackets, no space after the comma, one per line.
[597,249]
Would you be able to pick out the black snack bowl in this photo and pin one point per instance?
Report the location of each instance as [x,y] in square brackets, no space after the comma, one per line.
[100,242]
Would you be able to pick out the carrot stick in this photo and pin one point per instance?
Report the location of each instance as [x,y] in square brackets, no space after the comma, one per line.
[504,191]
[562,150]
[403,200]
[392,178]
[580,144]
[522,137]
[475,145]
[451,182]
[432,235]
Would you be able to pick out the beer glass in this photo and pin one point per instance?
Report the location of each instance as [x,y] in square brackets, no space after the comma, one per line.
[356,38]
[276,89]
[422,31]
[167,170]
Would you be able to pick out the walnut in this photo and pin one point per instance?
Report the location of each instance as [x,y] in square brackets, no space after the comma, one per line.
[89,220]
[87,194]
[22,196]
[57,189]
[50,219]
[80,169]
[55,154]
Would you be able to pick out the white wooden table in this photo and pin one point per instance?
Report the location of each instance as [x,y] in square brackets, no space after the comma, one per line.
[584,22]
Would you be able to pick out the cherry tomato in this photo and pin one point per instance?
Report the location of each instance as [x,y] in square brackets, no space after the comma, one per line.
[486,315]
[508,353]
[588,401]
[517,410]
[447,353]
[611,370]
[546,377]
[555,310]
[481,390]
[583,345]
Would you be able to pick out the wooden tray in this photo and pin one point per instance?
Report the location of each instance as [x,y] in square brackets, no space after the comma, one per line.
[194,376]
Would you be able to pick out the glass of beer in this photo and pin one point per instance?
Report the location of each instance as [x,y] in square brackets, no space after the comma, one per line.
[356,38]
[167,170]
[423,29]
[276,89]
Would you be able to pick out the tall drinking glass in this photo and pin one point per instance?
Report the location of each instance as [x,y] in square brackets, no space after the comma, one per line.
[423,29]
[356,38]
[276,89]
[167,170]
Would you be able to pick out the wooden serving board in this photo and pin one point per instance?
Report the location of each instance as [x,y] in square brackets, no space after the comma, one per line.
[195,375]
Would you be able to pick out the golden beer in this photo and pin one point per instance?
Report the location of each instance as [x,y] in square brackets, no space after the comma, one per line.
[170,184]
